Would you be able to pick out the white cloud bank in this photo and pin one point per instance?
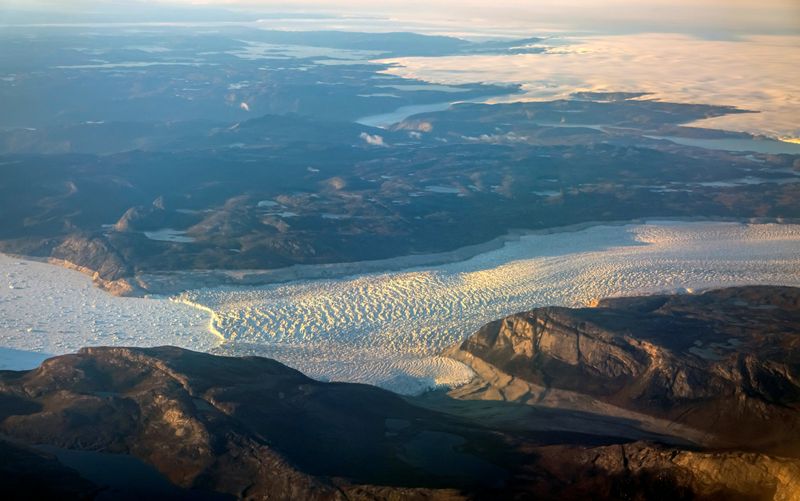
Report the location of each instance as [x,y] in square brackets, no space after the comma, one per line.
[760,74]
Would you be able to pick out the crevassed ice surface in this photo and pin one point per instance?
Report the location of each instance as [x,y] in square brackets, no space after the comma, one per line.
[388,328]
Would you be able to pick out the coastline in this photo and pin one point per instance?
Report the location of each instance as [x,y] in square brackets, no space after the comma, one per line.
[402,113]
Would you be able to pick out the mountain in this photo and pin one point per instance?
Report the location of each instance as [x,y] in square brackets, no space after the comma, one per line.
[121,200]
[249,427]
[725,363]
[189,425]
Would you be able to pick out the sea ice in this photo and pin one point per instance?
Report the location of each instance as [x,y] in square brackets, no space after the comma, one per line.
[53,310]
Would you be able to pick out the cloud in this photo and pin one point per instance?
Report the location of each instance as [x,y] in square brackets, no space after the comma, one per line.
[758,73]
[424,126]
[372,139]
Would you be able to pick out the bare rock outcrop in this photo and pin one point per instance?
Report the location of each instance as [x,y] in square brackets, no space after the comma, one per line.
[726,362]
[95,256]
[247,427]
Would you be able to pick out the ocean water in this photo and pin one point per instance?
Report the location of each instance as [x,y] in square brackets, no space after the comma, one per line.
[742,144]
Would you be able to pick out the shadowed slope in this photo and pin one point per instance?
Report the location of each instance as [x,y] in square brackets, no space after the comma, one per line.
[725,362]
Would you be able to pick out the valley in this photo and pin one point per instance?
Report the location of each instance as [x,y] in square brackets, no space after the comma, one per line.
[225,418]
[303,254]
[389,328]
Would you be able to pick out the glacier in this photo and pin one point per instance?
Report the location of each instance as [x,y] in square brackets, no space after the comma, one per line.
[389,328]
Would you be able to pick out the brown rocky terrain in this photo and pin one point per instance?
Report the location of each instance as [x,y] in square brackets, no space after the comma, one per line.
[248,427]
[188,425]
[725,363]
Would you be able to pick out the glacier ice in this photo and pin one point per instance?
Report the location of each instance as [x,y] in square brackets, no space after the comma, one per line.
[389,328]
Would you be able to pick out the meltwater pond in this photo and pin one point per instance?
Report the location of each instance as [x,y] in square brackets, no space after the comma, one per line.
[388,328]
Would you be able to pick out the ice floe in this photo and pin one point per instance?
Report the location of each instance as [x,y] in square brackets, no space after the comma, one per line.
[53,310]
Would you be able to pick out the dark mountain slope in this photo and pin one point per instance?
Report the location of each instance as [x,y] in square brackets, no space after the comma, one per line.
[253,428]
[725,362]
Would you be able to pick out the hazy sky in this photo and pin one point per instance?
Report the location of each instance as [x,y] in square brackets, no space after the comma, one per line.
[704,17]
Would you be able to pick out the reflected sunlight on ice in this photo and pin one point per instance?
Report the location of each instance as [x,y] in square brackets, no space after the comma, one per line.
[387,328]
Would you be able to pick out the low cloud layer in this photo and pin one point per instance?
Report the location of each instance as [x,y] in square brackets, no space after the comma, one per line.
[759,73]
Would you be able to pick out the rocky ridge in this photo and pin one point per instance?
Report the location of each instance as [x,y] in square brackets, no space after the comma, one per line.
[725,363]
[604,402]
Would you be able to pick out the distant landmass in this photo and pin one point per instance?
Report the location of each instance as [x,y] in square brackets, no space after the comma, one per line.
[274,191]
[173,148]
